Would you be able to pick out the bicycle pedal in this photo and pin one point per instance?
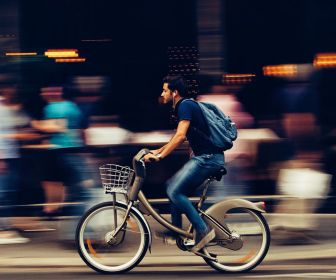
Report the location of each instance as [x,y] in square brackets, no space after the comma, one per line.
[188,242]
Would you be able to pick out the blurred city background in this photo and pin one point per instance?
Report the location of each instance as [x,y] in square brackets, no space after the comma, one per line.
[270,65]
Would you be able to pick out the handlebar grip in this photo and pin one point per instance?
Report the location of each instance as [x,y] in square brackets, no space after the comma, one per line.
[140,154]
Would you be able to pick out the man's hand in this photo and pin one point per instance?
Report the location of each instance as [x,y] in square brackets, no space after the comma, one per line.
[151,158]
[155,152]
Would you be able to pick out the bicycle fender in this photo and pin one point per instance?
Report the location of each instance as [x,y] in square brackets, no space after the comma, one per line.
[145,222]
[221,207]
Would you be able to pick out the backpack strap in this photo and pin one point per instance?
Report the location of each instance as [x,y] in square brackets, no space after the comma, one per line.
[195,129]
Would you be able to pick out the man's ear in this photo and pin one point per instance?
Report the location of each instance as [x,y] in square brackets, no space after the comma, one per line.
[174,93]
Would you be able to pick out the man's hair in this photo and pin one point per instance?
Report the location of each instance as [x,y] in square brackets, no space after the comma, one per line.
[176,83]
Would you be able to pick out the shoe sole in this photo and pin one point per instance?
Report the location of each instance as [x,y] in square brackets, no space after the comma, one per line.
[206,239]
[14,241]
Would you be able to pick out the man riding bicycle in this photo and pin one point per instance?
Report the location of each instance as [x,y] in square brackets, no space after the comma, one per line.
[206,159]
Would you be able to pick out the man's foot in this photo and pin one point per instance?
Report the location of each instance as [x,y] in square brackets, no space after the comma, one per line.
[203,239]
[30,224]
[11,237]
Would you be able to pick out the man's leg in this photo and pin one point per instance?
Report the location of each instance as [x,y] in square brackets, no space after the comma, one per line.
[176,215]
[4,201]
[8,191]
[8,196]
[75,192]
[184,182]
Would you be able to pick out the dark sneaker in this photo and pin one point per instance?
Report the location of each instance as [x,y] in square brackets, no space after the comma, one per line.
[203,239]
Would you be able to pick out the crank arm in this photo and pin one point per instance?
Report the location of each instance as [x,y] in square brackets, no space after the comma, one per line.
[212,257]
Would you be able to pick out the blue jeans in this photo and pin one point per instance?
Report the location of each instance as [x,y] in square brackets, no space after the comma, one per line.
[185,181]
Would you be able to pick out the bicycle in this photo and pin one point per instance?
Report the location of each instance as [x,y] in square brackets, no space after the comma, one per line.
[114,236]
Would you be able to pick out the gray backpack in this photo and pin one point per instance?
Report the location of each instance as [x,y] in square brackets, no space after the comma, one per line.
[223,131]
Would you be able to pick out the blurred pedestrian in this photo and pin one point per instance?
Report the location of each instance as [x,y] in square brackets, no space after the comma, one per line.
[324,86]
[9,166]
[62,122]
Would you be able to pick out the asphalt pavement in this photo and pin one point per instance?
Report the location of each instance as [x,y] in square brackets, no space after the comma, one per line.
[45,250]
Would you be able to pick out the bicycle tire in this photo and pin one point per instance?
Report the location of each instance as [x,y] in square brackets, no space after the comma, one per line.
[255,262]
[143,227]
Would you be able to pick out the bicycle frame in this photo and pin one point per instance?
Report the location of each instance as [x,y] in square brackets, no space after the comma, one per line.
[135,194]
[151,211]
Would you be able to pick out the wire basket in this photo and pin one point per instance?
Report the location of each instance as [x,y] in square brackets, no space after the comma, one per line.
[116,178]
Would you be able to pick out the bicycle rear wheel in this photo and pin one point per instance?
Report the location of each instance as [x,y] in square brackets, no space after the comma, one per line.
[97,249]
[250,247]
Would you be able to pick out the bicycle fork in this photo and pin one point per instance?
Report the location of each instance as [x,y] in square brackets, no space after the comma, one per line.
[116,229]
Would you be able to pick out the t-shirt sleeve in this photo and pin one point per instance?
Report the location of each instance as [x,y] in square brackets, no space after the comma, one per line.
[185,111]
[48,113]
[52,111]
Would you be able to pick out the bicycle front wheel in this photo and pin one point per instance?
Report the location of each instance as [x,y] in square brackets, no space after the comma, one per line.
[106,255]
[252,242]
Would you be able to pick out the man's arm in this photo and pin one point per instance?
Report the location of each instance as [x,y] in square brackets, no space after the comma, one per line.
[158,151]
[50,126]
[179,137]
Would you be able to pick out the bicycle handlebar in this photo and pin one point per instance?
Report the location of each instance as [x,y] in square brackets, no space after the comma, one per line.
[138,163]
[140,174]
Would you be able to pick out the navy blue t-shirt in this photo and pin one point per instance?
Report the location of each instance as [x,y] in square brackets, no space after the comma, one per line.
[189,110]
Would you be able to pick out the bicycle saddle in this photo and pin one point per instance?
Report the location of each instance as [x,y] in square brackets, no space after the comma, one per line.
[219,174]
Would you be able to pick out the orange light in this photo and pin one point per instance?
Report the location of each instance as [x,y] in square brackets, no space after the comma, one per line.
[325,60]
[20,53]
[70,60]
[61,53]
[238,78]
[284,70]
[238,75]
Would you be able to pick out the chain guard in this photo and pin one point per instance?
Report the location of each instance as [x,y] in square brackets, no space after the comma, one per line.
[233,243]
